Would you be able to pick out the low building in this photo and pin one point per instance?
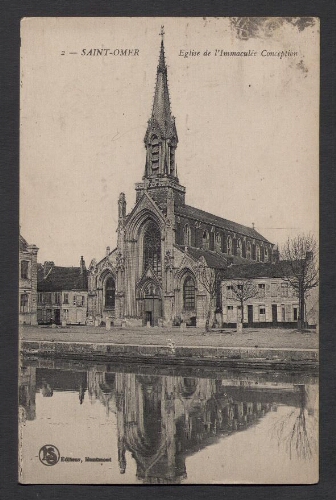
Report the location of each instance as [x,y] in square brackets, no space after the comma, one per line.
[27,283]
[275,302]
[62,294]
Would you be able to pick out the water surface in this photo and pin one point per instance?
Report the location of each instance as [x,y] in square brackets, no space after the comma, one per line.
[166,425]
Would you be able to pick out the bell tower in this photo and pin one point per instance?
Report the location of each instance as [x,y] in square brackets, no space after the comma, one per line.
[161,142]
[161,136]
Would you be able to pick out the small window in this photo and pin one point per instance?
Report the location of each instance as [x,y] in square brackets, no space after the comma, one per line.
[230,308]
[24,269]
[295,314]
[284,289]
[83,300]
[283,313]
[262,310]
[24,303]
[240,287]
[261,286]
[66,298]
[74,300]
[229,287]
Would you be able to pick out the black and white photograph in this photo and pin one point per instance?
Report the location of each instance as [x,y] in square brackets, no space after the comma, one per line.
[169,250]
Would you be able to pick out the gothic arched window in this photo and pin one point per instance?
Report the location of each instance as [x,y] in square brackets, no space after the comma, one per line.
[189,293]
[187,235]
[218,242]
[155,149]
[110,292]
[152,248]
[262,253]
[172,160]
[248,250]
[206,239]
[229,245]
[239,247]
[258,253]
[266,254]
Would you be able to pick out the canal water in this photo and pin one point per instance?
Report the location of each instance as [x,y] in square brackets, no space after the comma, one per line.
[83,422]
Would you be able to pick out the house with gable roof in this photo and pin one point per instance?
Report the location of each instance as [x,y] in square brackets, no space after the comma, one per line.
[62,294]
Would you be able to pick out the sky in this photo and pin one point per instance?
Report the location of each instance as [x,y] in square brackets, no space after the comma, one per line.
[247,126]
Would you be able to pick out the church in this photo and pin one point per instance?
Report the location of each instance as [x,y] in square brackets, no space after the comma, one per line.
[152,277]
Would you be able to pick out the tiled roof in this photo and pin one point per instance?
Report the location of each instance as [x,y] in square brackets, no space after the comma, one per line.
[201,215]
[213,259]
[258,270]
[61,278]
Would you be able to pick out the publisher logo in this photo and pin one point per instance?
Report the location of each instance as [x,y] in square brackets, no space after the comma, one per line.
[49,455]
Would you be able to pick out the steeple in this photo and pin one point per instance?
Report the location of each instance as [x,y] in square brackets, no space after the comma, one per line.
[161,136]
[160,179]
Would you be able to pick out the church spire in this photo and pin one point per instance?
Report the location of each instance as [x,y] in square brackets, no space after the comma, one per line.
[161,113]
[161,136]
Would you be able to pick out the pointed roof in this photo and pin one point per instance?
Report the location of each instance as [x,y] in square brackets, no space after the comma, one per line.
[161,113]
[206,217]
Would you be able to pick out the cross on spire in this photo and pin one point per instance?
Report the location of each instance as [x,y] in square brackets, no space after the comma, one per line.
[161,136]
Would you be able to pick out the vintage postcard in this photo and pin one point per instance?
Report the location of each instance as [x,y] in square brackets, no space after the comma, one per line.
[169,251]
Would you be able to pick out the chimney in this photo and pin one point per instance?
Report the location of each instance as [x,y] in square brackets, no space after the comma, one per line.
[47,267]
[82,265]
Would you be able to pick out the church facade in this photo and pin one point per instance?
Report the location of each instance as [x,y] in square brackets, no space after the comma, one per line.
[153,275]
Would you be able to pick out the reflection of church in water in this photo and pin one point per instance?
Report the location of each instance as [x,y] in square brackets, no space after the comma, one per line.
[151,277]
[163,419]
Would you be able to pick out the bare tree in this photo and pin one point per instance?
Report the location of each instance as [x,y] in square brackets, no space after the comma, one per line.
[210,278]
[299,264]
[296,431]
[243,290]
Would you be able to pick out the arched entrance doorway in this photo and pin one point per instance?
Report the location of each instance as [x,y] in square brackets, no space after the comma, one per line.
[152,310]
